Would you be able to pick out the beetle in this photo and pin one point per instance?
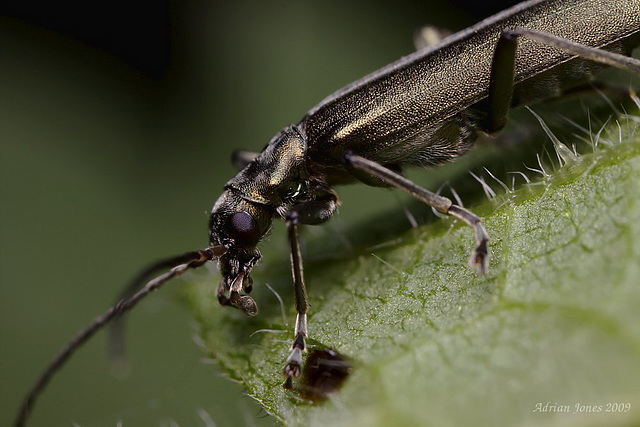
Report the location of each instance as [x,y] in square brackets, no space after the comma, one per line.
[422,110]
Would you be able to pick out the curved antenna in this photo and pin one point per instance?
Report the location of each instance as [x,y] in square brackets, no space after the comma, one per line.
[179,264]
[116,342]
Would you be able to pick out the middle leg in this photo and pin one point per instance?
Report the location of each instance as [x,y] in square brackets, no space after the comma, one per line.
[480,256]
[311,212]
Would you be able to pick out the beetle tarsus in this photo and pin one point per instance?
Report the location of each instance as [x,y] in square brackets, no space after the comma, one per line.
[479,259]
[480,256]
[293,366]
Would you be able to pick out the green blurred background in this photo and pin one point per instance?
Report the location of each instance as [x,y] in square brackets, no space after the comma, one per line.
[117,122]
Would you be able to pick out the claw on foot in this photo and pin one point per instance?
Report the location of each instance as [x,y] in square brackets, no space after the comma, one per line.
[480,259]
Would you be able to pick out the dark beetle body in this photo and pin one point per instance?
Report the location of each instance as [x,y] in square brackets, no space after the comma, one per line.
[424,108]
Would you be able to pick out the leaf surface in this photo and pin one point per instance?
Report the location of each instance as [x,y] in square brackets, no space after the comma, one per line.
[550,335]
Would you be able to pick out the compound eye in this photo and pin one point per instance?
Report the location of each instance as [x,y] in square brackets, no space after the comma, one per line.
[244,229]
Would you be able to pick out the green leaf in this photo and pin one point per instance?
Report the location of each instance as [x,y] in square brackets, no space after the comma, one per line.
[553,329]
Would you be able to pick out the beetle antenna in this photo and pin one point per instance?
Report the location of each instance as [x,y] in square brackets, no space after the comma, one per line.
[178,264]
[116,342]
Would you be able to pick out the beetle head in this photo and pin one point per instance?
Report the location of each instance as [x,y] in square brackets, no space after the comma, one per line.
[238,225]
[266,188]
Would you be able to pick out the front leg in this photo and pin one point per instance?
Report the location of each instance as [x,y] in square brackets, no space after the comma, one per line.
[311,212]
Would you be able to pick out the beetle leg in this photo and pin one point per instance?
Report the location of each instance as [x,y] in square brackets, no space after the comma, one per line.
[311,212]
[372,180]
[480,256]
[503,68]
[293,366]
[316,211]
